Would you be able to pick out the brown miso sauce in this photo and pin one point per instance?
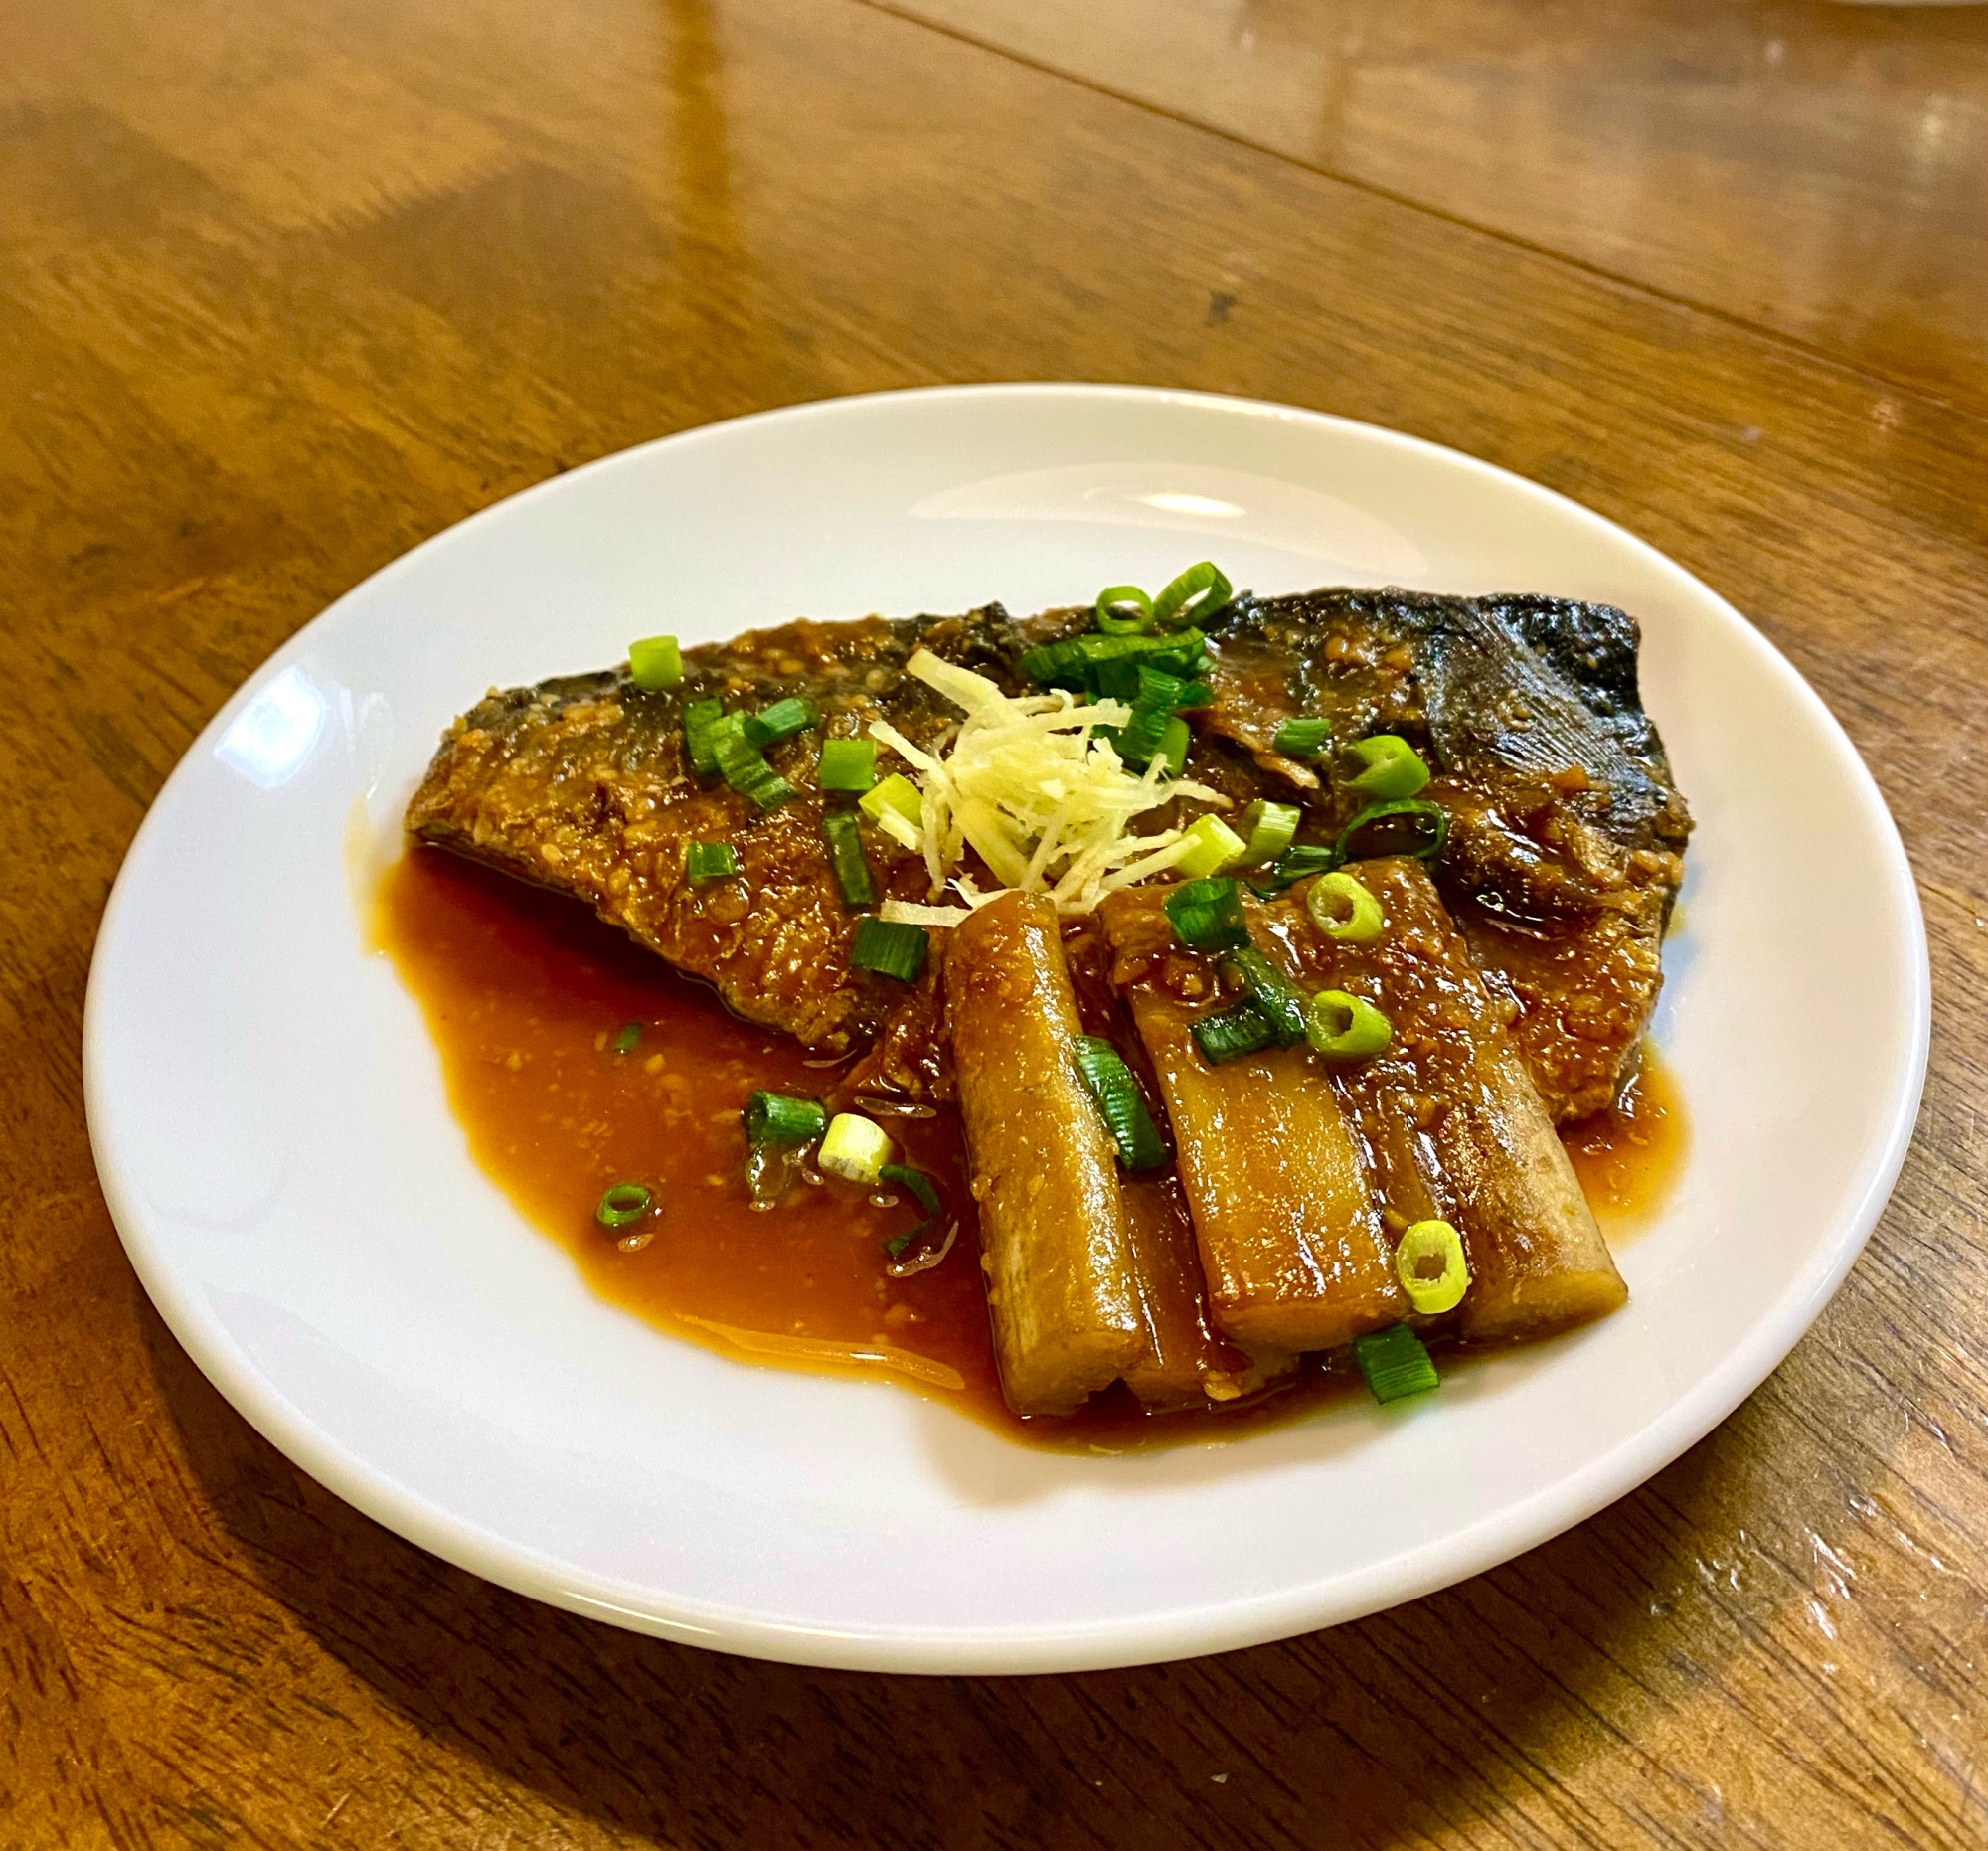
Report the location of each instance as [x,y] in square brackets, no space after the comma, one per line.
[1628,1158]
[526,995]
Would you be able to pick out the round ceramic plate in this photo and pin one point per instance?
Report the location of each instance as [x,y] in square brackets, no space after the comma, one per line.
[270,1127]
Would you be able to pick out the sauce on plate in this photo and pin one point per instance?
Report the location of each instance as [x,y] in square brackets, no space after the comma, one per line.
[529,1000]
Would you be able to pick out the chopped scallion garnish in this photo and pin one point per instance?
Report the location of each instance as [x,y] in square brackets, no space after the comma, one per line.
[630,1035]
[1344,910]
[1302,738]
[898,794]
[1171,752]
[1389,766]
[699,719]
[1431,1267]
[1395,1363]
[1195,596]
[890,947]
[622,1205]
[1120,1103]
[1266,830]
[655,662]
[847,764]
[1346,1028]
[1146,733]
[744,766]
[1404,827]
[1280,1000]
[924,1189]
[1239,1029]
[1294,864]
[1206,916]
[1095,663]
[1215,846]
[854,1148]
[710,861]
[783,1118]
[782,721]
[845,859]
[1124,610]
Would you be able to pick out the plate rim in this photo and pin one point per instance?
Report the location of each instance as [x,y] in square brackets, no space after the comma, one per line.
[1057,1646]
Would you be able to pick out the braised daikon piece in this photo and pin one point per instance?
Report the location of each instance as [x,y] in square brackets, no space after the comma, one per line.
[1186,1363]
[1288,1233]
[1448,1107]
[1061,1287]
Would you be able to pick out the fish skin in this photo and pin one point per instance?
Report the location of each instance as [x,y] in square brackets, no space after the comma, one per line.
[1565,843]
[1568,833]
[583,784]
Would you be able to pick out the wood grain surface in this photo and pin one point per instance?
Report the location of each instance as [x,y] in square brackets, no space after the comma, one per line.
[285,287]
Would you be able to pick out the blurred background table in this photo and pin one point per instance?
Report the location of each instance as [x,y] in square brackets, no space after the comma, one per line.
[285,287]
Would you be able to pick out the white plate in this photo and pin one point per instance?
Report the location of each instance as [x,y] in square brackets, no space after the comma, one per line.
[269,1123]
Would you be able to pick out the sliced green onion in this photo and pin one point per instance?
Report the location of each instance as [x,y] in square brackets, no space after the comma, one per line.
[1294,864]
[1215,846]
[1346,1028]
[771,1171]
[845,859]
[898,794]
[630,1035]
[1239,1029]
[1119,1103]
[847,764]
[1206,916]
[1281,1001]
[1391,767]
[1302,738]
[1432,1269]
[1406,826]
[1151,732]
[1140,737]
[1195,596]
[783,1118]
[623,1204]
[770,725]
[744,766]
[890,947]
[854,1149]
[710,861]
[1342,909]
[1395,1363]
[1159,689]
[1124,610]
[1095,664]
[1266,829]
[926,1191]
[655,662]
[699,719]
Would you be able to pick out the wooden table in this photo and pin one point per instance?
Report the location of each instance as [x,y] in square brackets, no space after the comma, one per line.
[285,287]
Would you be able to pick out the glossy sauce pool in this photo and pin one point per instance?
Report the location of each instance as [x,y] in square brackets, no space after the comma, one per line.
[527,998]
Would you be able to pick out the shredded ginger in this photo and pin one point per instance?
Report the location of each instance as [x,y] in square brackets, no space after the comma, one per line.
[1029,785]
